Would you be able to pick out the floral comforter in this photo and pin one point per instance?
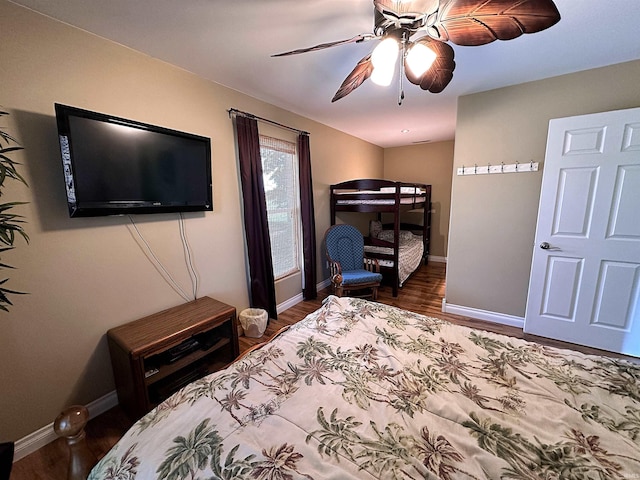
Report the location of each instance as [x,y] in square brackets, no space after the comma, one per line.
[361,390]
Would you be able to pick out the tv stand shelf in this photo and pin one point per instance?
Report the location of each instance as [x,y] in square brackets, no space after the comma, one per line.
[155,356]
[187,360]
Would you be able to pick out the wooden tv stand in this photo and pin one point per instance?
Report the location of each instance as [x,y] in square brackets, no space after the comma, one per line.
[155,356]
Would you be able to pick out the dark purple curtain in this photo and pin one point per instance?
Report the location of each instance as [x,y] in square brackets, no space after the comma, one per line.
[310,291]
[263,294]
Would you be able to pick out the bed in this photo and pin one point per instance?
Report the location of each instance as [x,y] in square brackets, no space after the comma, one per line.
[410,249]
[396,253]
[359,389]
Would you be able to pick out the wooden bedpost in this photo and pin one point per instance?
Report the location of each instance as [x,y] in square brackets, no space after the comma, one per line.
[70,425]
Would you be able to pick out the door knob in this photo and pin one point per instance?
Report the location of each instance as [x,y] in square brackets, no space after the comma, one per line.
[545,246]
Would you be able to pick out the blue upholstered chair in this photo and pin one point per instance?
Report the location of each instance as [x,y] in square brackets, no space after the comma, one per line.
[350,270]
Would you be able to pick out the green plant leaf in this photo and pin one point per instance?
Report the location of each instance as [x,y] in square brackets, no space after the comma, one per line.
[8,138]
[10,223]
[9,170]
[10,149]
[8,205]
[6,236]
[12,292]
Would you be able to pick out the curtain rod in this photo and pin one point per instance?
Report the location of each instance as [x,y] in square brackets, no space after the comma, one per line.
[233,111]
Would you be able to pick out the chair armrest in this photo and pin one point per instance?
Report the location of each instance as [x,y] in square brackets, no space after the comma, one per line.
[336,272]
[372,264]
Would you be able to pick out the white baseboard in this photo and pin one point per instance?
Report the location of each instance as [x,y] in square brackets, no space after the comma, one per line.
[437,259]
[281,307]
[494,317]
[45,435]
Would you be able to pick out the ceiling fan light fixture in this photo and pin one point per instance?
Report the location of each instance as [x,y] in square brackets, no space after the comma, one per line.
[419,59]
[383,60]
[429,61]
[383,75]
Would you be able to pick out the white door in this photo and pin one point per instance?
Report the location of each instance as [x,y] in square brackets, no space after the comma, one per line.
[585,275]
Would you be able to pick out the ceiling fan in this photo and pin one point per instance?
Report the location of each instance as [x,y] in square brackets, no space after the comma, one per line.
[417,32]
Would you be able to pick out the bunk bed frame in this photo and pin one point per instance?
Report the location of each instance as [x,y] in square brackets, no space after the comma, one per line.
[385,196]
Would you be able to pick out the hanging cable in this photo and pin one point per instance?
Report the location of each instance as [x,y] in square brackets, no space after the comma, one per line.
[188,259]
[157,263]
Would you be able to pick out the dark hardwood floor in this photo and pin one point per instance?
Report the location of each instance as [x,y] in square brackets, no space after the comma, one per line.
[422,293]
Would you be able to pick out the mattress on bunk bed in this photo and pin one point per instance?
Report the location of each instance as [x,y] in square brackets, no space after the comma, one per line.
[409,254]
[417,195]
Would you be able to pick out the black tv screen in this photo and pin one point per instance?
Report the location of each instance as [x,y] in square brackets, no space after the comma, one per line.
[115,166]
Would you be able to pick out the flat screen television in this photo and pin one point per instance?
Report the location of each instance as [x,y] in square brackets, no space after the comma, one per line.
[115,166]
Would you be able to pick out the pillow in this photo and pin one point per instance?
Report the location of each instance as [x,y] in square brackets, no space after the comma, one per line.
[405,235]
[375,227]
[386,235]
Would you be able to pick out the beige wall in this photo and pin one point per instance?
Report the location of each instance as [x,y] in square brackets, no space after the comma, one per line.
[430,163]
[493,217]
[86,275]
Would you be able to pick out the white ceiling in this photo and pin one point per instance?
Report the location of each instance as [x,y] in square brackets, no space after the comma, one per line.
[231,43]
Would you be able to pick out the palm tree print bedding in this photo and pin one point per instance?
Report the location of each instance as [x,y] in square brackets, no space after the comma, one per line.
[364,390]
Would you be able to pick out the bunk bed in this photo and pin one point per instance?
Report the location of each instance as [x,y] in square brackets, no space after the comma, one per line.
[396,245]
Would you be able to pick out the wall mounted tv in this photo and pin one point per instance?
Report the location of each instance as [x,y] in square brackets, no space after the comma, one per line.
[114,166]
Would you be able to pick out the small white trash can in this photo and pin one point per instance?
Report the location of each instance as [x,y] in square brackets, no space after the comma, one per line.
[254,322]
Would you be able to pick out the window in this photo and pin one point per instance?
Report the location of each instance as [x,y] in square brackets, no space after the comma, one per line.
[280,175]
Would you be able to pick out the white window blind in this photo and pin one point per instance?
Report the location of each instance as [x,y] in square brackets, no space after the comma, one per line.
[280,175]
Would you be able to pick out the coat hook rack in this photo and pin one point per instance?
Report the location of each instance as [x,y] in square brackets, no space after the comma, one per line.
[502,168]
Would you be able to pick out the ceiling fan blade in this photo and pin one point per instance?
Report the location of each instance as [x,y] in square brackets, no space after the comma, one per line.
[440,74]
[357,39]
[478,22]
[358,75]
